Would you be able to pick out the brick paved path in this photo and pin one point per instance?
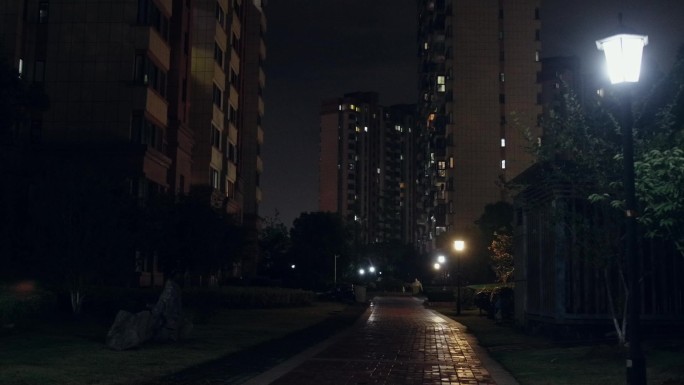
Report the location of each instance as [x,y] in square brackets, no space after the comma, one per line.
[401,343]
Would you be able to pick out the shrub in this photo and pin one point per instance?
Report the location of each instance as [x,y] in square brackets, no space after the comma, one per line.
[483,301]
[502,300]
[24,303]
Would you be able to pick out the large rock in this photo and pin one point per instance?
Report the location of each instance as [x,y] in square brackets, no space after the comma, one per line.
[130,330]
[165,322]
[168,314]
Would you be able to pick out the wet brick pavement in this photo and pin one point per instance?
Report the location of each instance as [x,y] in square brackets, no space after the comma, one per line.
[400,343]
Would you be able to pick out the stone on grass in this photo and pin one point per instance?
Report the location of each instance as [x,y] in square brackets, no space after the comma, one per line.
[164,323]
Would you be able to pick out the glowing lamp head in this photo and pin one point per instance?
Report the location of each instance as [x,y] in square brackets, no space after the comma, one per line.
[459,245]
[441,259]
[437,266]
[623,56]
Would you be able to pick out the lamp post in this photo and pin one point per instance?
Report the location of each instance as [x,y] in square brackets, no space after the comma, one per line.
[335,271]
[623,56]
[459,247]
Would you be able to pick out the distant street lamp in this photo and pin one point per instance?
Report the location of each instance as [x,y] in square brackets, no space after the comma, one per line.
[441,259]
[371,269]
[623,56]
[362,271]
[459,247]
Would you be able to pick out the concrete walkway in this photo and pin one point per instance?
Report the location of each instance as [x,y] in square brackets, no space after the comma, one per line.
[399,342]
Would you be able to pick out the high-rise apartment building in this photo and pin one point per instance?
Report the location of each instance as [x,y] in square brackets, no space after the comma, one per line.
[480,92]
[228,52]
[165,94]
[367,166]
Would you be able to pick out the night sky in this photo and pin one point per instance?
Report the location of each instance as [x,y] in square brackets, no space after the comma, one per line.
[318,49]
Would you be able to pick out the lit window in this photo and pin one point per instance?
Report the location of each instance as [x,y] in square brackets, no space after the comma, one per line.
[365,128]
[503,142]
[440,80]
[220,14]
[502,77]
[214,179]
[441,88]
[351,106]
[503,164]
[378,170]
[339,107]
[21,67]
[426,46]
[536,55]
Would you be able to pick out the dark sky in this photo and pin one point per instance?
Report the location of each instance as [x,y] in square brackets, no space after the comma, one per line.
[319,49]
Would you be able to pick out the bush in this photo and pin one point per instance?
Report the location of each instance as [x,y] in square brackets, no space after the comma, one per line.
[246,297]
[483,301]
[502,301]
[24,303]
[440,295]
[106,301]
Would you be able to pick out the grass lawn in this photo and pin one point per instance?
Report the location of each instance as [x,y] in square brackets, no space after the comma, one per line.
[534,360]
[73,352]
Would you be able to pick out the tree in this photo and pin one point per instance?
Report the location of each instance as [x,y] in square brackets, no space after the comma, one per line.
[188,234]
[497,217]
[274,242]
[581,149]
[316,238]
[502,256]
[79,233]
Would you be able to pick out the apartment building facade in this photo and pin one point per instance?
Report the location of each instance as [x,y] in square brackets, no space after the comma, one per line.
[367,166]
[480,98]
[146,90]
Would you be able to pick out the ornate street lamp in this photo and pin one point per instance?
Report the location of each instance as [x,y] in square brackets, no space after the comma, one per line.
[623,56]
[459,247]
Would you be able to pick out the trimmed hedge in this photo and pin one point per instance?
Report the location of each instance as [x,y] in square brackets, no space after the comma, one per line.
[23,308]
[246,297]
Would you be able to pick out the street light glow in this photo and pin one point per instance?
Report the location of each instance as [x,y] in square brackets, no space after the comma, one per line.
[623,56]
[362,271]
[441,259]
[459,245]
[437,266]
[371,269]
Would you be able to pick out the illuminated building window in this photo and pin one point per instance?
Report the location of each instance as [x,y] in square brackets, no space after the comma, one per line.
[214,179]
[220,14]
[503,164]
[503,142]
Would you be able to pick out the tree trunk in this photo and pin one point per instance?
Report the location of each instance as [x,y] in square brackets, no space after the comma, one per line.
[76,301]
[622,337]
